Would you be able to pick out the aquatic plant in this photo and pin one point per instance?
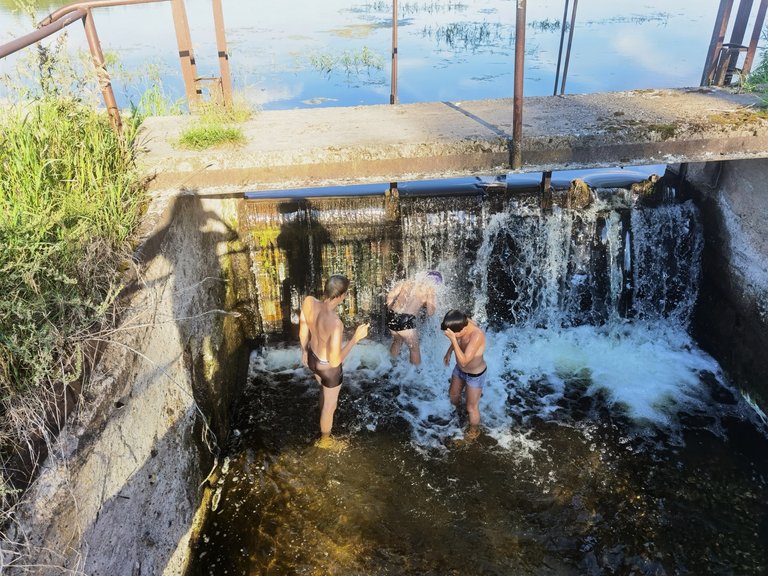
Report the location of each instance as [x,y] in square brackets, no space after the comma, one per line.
[351,62]
[547,25]
[461,36]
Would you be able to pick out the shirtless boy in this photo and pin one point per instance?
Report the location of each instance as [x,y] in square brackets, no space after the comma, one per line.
[468,343]
[405,301]
[320,333]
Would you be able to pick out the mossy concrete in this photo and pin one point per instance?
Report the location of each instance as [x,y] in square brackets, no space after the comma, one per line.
[121,493]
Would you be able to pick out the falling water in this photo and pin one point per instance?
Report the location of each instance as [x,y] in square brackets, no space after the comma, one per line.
[607,432]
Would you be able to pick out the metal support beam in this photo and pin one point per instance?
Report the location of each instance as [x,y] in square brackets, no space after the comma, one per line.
[568,49]
[517,105]
[221,46]
[560,50]
[103,76]
[756,32]
[730,58]
[716,42]
[186,54]
[393,90]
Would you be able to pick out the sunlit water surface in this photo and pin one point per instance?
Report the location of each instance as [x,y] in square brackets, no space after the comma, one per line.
[337,52]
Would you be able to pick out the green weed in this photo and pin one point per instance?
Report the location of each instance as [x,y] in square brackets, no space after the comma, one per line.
[351,63]
[210,135]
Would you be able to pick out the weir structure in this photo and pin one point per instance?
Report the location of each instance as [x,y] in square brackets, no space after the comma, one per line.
[124,510]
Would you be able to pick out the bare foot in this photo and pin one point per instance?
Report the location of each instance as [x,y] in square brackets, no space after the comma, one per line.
[331,443]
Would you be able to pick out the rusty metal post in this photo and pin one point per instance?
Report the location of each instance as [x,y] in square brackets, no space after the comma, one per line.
[393,90]
[560,51]
[221,46]
[186,54]
[716,42]
[737,37]
[37,35]
[101,72]
[756,31]
[568,49]
[517,105]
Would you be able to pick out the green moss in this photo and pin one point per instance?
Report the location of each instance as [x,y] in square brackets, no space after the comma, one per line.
[666,131]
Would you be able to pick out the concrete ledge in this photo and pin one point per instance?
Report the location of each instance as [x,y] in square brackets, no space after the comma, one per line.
[340,146]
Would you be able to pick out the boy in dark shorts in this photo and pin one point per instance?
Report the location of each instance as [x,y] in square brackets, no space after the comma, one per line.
[468,344]
[320,333]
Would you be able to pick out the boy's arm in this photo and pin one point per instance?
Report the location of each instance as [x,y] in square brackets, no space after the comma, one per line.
[464,357]
[303,335]
[430,301]
[447,357]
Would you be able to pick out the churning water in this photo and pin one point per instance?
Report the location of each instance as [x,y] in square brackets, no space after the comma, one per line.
[611,443]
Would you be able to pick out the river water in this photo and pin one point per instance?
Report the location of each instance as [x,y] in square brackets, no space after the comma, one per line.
[337,53]
[611,444]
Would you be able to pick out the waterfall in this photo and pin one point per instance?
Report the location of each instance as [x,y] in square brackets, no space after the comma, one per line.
[570,268]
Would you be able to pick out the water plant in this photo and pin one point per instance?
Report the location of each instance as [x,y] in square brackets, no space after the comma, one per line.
[351,62]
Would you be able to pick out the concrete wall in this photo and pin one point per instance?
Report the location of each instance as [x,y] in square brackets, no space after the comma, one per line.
[731,319]
[121,494]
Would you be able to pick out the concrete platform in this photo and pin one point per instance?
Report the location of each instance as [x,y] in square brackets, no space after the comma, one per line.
[384,143]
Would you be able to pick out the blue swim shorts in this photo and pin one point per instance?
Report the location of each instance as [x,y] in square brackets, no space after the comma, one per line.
[472,380]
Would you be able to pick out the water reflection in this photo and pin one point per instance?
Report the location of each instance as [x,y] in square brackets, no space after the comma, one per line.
[448,50]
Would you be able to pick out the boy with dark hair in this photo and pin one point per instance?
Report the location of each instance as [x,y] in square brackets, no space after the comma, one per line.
[468,344]
[320,333]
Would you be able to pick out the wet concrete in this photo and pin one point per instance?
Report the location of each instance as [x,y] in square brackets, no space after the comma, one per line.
[354,145]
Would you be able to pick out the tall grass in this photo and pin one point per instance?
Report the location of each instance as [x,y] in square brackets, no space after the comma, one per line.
[69,200]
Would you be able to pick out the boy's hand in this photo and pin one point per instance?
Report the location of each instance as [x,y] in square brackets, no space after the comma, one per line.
[361,331]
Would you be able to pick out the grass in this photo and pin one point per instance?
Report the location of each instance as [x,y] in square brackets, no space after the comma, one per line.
[209,136]
[216,126]
[70,200]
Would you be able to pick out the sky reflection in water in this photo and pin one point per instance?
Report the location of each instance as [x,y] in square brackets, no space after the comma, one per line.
[338,53]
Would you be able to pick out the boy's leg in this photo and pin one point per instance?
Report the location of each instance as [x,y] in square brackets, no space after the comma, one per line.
[454,390]
[473,404]
[328,400]
[397,342]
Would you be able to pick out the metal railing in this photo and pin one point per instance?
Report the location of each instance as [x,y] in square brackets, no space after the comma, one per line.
[83,11]
[722,57]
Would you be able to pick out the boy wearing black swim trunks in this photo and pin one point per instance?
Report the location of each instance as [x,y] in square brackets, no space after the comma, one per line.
[405,301]
[320,333]
[468,344]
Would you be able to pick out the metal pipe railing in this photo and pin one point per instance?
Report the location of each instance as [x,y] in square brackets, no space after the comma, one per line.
[33,37]
[101,71]
[393,85]
[568,49]
[66,15]
[517,103]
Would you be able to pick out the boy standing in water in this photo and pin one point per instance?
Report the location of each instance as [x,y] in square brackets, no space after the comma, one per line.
[468,343]
[320,333]
[405,301]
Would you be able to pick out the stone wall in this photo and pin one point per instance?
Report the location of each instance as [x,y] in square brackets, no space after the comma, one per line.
[731,319]
[121,493]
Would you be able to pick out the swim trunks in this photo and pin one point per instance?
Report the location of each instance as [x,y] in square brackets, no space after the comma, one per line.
[472,380]
[330,377]
[399,322]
